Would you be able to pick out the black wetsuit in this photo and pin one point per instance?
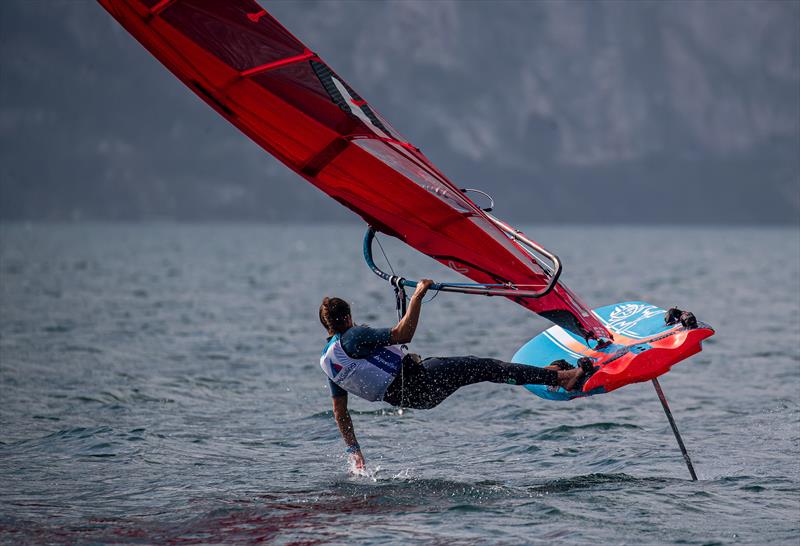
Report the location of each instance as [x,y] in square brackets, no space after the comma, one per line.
[426,384]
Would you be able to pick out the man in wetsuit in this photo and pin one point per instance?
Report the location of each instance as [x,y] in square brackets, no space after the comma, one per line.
[369,363]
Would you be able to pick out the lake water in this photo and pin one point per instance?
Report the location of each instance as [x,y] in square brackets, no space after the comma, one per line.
[160,384]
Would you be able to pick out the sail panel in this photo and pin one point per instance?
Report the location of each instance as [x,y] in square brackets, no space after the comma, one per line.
[227,30]
[298,85]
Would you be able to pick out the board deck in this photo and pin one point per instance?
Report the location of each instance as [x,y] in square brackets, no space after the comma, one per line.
[644,348]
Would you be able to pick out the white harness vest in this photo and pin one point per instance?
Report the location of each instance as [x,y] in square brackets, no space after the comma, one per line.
[368,377]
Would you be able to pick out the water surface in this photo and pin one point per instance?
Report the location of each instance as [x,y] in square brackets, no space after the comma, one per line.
[160,384]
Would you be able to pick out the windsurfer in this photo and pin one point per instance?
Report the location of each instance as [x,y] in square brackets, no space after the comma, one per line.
[369,363]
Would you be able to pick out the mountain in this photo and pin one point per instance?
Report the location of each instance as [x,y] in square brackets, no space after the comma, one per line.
[565,111]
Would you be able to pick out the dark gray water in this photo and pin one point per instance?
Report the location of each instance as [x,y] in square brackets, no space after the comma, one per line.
[160,384]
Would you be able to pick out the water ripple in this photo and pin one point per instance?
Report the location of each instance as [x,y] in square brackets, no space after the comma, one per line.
[160,385]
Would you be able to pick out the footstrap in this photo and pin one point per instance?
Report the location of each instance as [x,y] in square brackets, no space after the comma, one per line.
[675,316]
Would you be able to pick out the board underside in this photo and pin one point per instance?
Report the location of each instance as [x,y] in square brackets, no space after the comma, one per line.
[644,348]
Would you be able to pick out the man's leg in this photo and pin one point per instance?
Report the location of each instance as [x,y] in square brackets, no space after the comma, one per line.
[434,379]
[466,370]
[445,375]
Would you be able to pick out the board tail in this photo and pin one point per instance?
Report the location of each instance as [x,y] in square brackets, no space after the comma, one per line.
[645,347]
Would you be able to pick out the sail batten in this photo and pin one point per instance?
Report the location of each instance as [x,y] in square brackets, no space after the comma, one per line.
[277,64]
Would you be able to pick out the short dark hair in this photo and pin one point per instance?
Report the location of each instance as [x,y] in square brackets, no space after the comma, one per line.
[333,314]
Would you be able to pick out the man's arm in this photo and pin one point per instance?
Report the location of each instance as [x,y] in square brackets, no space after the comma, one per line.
[404,331]
[345,425]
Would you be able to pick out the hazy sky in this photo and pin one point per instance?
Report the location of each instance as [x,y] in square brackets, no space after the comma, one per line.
[565,111]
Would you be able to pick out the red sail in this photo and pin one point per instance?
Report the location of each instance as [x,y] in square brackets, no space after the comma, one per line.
[244,64]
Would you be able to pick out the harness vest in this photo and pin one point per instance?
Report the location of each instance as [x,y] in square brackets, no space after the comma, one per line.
[368,377]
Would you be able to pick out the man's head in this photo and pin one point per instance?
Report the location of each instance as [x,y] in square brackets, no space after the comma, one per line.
[334,314]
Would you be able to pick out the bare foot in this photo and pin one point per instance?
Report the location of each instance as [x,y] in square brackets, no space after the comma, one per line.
[569,379]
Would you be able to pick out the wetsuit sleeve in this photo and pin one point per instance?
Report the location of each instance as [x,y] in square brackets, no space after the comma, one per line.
[362,341]
[336,390]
